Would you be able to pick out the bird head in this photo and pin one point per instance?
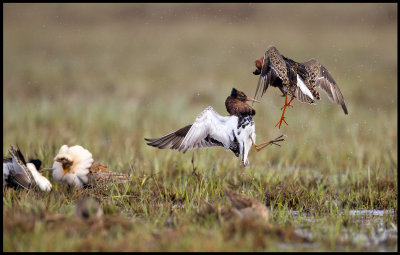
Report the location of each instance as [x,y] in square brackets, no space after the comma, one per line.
[258,63]
[66,163]
[36,162]
[241,96]
[72,165]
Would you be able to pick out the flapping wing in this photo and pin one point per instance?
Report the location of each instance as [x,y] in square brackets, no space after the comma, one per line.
[208,130]
[303,97]
[326,82]
[274,66]
[263,76]
[21,179]
[172,140]
[13,175]
[20,172]
[303,94]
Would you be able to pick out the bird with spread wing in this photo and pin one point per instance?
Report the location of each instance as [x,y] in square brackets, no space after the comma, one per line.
[299,80]
[17,172]
[235,132]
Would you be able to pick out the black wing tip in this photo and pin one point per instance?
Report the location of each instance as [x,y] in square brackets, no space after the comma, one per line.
[345,109]
[154,143]
[17,153]
[151,140]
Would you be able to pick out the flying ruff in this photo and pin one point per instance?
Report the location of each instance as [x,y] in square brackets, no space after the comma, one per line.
[299,80]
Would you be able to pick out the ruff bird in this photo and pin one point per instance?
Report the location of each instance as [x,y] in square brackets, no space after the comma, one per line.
[19,173]
[88,208]
[235,132]
[75,166]
[246,207]
[299,80]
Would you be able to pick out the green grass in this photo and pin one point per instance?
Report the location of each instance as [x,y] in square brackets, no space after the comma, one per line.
[107,76]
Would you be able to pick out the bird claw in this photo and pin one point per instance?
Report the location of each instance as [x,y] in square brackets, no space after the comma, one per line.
[280,122]
[265,144]
[278,139]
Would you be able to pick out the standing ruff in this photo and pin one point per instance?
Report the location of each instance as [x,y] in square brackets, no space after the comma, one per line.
[75,166]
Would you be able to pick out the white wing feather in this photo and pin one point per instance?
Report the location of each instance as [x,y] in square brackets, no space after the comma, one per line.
[303,87]
[209,123]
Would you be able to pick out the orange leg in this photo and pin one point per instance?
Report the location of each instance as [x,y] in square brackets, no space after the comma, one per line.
[284,109]
[291,99]
[265,144]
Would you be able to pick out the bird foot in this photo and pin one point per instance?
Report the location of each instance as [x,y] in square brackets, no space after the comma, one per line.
[265,144]
[284,109]
[280,121]
[288,104]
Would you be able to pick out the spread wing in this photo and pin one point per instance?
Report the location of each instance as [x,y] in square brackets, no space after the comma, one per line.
[274,66]
[302,97]
[19,172]
[326,82]
[208,130]
[303,93]
[21,179]
[263,76]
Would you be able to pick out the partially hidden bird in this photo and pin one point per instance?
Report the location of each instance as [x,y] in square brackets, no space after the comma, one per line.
[88,208]
[76,166]
[17,172]
[247,207]
[235,132]
[299,80]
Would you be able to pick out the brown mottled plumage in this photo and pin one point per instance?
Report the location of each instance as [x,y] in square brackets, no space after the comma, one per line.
[100,174]
[299,80]
[88,208]
[317,76]
[275,71]
[247,207]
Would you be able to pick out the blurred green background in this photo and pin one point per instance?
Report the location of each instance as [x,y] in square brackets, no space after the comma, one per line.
[105,76]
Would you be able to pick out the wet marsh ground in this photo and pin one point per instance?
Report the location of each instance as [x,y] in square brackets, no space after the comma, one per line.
[107,76]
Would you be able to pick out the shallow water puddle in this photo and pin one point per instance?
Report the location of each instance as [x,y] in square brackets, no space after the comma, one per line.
[371,212]
[372,231]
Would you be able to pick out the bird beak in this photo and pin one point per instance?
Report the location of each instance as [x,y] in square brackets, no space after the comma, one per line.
[65,171]
[251,99]
[257,72]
